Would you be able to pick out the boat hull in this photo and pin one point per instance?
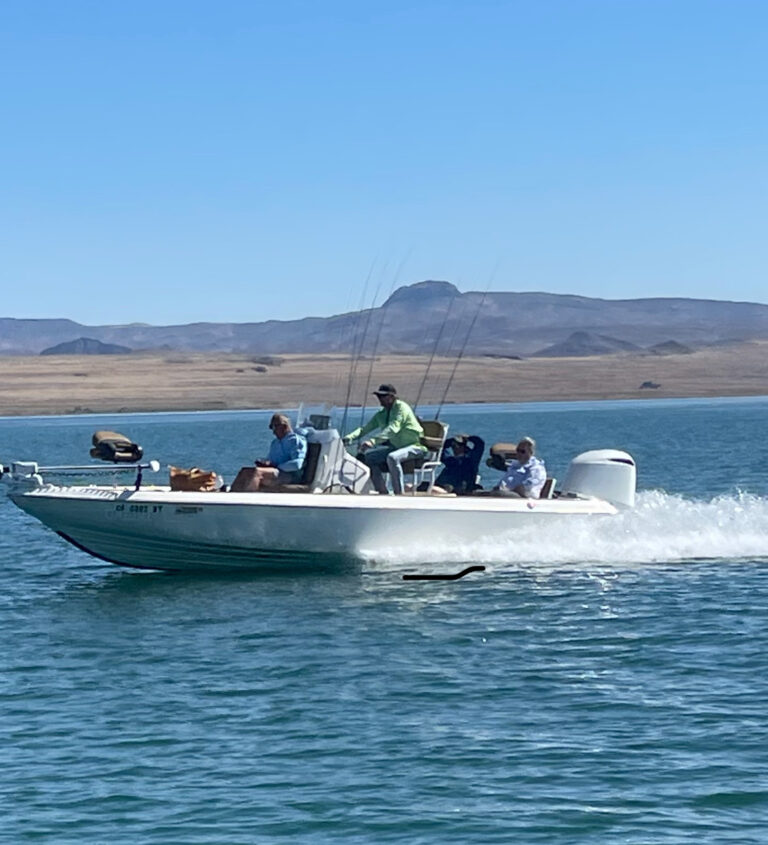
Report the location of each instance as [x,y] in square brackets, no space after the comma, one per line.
[163,529]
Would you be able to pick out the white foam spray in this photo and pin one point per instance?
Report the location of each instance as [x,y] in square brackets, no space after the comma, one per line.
[661,528]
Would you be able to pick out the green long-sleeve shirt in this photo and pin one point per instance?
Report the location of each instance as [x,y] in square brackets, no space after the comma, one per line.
[397,424]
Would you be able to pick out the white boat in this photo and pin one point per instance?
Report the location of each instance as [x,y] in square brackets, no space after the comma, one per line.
[333,520]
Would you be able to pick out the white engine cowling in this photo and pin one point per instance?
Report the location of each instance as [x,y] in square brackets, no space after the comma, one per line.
[606,474]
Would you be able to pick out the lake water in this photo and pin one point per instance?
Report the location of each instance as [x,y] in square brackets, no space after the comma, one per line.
[598,687]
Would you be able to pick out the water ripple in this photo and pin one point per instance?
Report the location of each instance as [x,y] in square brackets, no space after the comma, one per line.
[583,690]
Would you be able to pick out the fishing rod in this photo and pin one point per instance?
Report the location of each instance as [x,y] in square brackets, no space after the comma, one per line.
[464,346]
[364,338]
[395,279]
[434,350]
[356,348]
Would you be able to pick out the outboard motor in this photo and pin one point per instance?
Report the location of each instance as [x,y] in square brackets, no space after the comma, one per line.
[606,474]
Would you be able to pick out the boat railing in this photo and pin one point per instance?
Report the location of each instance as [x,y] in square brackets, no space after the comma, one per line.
[31,474]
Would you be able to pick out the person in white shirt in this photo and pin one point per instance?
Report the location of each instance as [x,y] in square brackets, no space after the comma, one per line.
[526,473]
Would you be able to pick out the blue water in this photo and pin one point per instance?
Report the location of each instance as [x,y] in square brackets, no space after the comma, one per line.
[602,687]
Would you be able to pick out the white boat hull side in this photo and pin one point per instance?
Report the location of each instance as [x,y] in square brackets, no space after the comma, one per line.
[159,529]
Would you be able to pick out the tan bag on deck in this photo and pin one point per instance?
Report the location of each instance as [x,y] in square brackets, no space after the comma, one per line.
[192,479]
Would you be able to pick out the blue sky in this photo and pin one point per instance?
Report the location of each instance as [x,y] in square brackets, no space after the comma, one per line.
[168,162]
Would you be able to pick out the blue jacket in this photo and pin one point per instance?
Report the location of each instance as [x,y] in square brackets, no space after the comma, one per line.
[289,453]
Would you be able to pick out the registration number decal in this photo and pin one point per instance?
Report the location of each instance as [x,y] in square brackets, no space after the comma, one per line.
[123,508]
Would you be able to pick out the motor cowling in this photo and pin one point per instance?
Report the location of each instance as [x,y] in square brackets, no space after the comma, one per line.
[607,474]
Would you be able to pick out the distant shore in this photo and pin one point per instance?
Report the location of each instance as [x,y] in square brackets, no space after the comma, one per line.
[177,381]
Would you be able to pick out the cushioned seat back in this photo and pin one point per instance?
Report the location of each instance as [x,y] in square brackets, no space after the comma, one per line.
[433,438]
[310,463]
[434,435]
[500,455]
[548,490]
[307,474]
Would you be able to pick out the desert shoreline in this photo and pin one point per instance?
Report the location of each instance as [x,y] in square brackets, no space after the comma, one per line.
[179,381]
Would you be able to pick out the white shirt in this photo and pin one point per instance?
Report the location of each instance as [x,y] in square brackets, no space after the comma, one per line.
[531,475]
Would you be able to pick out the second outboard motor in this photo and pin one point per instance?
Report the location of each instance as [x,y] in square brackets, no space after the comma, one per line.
[606,474]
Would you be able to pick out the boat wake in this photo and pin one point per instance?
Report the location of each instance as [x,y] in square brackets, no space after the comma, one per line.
[662,528]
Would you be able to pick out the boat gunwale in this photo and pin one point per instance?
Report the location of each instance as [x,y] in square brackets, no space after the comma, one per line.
[332,501]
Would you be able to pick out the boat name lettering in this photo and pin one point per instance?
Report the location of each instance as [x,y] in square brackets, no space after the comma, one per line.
[188,509]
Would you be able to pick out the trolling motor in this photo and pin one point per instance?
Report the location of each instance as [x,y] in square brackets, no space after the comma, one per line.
[115,447]
[109,446]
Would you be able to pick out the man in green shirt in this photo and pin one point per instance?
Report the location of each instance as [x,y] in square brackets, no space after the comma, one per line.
[398,439]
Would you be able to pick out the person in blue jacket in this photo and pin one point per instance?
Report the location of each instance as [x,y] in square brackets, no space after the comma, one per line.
[461,460]
[287,453]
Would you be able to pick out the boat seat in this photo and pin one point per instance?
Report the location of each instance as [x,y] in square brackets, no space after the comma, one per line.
[500,456]
[246,474]
[548,490]
[425,467]
[308,472]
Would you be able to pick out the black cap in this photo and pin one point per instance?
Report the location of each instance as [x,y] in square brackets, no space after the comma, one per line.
[385,390]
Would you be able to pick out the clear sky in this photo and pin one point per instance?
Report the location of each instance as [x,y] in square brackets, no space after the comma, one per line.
[181,160]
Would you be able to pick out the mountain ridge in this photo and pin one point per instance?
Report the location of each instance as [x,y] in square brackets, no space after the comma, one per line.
[430,316]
